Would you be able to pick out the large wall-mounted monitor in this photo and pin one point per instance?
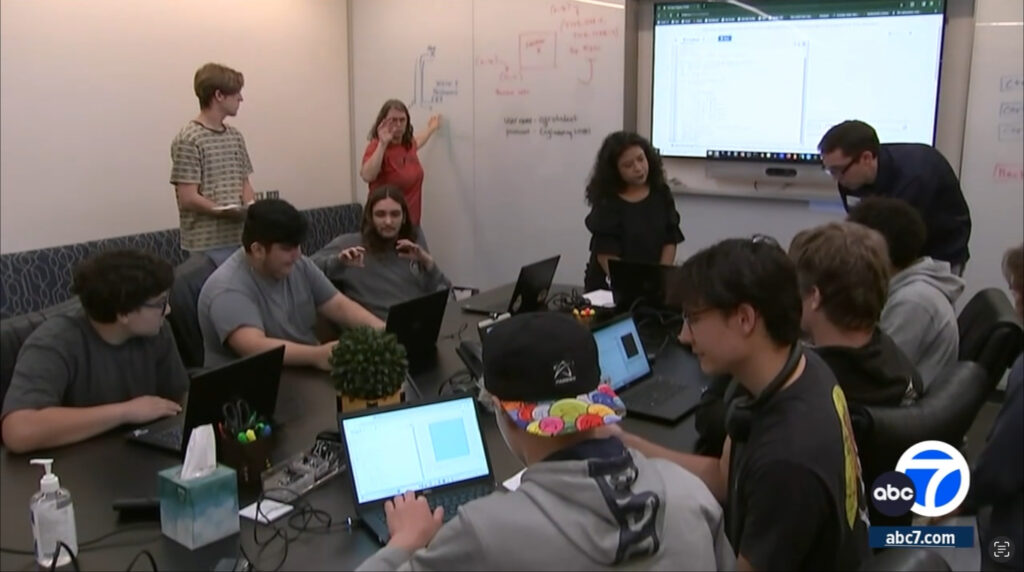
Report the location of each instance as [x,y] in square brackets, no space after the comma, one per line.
[763,81]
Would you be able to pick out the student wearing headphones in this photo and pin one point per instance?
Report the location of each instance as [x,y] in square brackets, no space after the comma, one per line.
[788,474]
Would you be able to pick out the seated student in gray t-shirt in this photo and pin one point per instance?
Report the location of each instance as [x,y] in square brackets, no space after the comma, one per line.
[113,363]
[388,262]
[268,294]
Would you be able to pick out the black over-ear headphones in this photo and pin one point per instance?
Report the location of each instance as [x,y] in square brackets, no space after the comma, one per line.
[741,409]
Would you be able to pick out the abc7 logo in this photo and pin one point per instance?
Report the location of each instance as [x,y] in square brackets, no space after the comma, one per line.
[931,479]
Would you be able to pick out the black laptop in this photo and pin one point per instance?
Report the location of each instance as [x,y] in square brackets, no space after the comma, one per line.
[639,283]
[624,365]
[434,448]
[255,378]
[416,323]
[529,294]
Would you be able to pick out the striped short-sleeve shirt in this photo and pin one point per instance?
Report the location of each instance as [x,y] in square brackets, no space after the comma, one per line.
[219,163]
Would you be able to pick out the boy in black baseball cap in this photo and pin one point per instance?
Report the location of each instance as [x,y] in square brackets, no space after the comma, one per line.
[586,501]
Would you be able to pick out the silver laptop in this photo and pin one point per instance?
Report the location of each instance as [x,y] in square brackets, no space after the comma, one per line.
[435,448]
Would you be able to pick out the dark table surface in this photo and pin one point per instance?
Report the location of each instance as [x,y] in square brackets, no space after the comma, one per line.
[108,467]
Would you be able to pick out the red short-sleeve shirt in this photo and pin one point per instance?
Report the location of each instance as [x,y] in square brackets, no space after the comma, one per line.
[401,167]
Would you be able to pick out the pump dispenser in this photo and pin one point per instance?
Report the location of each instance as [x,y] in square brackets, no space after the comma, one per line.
[53,519]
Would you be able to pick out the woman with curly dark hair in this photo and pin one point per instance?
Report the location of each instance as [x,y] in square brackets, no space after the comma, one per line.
[632,213]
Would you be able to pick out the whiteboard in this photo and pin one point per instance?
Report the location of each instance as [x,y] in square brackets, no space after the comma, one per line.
[992,165]
[527,89]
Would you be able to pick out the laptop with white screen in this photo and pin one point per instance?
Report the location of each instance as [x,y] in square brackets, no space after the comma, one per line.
[435,448]
[624,365]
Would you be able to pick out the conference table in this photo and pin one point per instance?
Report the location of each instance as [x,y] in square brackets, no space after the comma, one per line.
[108,467]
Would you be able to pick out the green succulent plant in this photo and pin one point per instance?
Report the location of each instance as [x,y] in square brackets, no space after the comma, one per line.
[368,364]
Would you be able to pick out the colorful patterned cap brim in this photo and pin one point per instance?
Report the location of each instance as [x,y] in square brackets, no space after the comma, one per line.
[567,415]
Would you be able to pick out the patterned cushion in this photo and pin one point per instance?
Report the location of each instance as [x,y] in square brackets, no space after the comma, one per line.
[326,223]
[36,279]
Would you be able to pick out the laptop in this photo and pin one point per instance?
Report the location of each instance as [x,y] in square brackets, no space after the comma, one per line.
[435,448]
[416,323]
[254,378]
[625,366]
[639,283]
[529,294]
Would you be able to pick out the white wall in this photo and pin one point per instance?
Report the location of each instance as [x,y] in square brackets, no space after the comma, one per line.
[708,219]
[94,91]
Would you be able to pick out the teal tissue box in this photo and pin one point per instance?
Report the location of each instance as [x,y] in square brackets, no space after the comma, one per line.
[198,511]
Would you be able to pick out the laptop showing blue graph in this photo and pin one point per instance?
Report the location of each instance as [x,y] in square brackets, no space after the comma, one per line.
[624,364]
[434,448]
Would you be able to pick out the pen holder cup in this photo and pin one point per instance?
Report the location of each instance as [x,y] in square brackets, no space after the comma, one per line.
[248,460]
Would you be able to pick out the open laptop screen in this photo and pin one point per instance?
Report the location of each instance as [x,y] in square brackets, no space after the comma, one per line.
[620,353]
[414,448]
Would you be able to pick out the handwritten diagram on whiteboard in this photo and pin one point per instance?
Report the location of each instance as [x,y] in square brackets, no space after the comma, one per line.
[992,165]
[548,87]
[526,89]
[429,91]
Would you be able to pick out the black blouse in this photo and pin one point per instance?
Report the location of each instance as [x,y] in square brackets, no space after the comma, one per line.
[631,231]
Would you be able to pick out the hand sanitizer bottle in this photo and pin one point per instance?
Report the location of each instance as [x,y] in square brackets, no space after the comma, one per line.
[53,519]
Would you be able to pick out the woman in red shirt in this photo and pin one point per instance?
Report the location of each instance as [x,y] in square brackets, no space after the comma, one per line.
[390,158]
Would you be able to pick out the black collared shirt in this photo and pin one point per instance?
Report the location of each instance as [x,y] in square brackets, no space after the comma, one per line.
[920,175]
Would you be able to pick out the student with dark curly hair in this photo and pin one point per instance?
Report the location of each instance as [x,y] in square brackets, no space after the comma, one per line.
[112,363]
[919,313]
[632,213]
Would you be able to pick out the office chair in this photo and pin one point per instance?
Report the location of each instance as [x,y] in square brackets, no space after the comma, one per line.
[990,332]
[945,413]
[189,277]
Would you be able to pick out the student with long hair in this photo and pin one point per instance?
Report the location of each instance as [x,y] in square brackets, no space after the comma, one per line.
[632,213]
[387,262]
[390,157]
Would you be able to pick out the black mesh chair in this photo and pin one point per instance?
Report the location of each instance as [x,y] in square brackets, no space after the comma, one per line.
[990,332]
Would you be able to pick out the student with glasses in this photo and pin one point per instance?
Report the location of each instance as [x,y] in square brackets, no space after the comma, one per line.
[914,172]
[114,362]
[788,474]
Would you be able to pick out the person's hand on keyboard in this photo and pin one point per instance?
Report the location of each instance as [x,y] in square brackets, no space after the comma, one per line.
[147,408]
[410,521]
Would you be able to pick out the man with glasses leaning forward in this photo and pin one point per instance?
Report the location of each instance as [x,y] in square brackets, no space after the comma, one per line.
[914,172]
[788,475]
[112,363]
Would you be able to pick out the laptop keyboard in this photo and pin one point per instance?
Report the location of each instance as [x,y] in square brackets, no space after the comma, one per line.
[452,500]
[659,390]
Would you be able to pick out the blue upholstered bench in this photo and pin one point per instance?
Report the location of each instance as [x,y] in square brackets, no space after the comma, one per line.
[34,280]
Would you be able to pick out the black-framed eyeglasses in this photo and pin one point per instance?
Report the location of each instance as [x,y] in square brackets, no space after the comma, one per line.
[160,304]
[689,316]
[838,172]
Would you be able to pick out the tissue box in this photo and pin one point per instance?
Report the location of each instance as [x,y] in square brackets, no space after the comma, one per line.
[198,511]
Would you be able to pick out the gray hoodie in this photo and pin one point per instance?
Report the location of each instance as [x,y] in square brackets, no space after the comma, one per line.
[920,318]
[385,279]
[619,512]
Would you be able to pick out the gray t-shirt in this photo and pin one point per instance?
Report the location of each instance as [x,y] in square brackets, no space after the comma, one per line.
[385,279]
[65,363]
[236,296]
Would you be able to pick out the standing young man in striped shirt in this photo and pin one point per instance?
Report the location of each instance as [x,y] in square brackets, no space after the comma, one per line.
[211,167]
